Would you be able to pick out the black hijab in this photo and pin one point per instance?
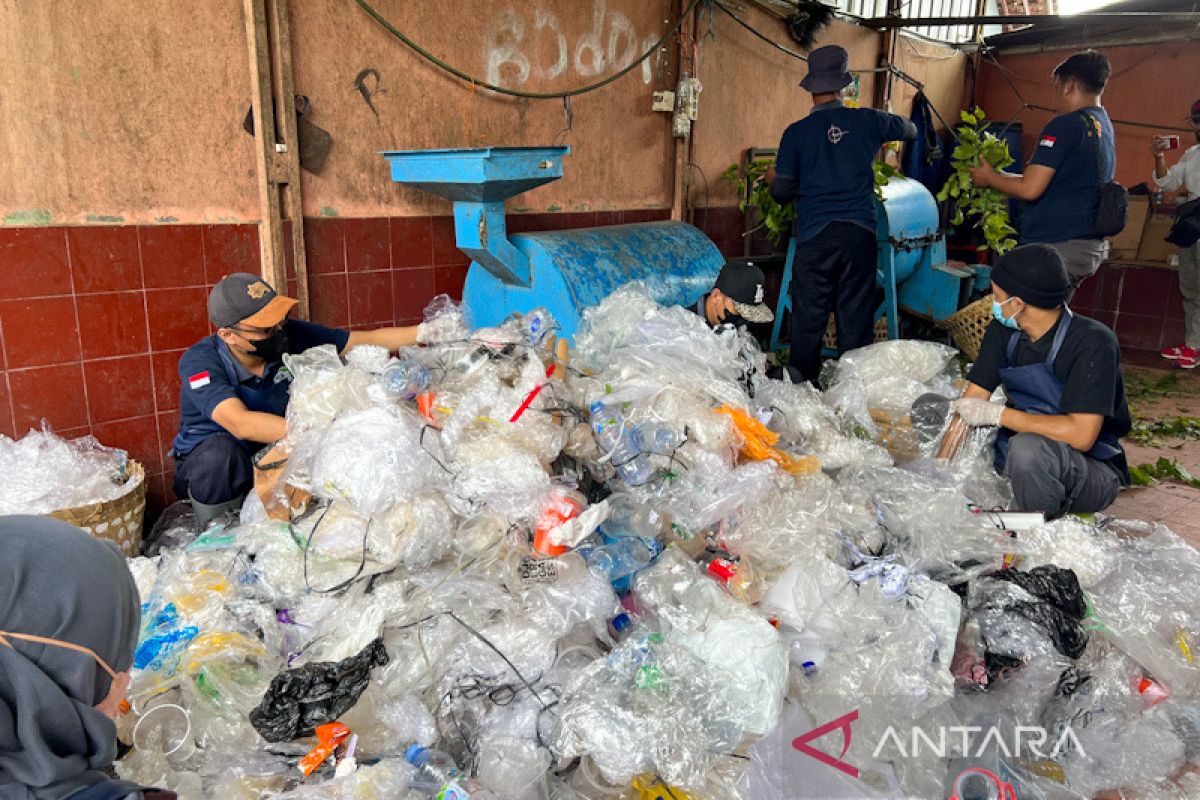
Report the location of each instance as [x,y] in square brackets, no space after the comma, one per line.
[58,582]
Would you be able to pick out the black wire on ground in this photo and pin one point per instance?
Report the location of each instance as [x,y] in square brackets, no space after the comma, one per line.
[476,82]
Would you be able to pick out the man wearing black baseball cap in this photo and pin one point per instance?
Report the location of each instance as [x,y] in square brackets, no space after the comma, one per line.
[737,297]
[825,165]
[234,388]
[1060,433]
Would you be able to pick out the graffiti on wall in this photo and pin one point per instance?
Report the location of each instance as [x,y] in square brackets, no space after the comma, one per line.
[519,47]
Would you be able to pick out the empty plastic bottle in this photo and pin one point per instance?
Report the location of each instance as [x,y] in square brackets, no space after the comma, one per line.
[437,775]
[615,438]
[405,379]
[739,578]
[629,517]
[620,558]
[655,437]
[619,626]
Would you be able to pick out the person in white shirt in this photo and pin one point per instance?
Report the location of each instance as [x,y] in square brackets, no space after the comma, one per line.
[1184,177]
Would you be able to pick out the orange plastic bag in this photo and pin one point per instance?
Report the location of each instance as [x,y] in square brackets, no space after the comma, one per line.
[758,444]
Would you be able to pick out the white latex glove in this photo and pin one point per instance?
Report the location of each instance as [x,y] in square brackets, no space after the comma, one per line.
[978,413]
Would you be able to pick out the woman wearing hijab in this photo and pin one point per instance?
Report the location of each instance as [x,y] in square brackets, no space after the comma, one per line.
[68,628]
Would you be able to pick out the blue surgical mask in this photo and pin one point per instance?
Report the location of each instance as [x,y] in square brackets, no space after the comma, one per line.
[998,313]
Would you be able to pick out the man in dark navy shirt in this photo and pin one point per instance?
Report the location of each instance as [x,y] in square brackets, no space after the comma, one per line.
[1075,155]
[234,388]
[825,164]
[1066,410]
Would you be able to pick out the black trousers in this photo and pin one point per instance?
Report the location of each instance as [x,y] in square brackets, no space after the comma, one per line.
[832,272]
[1056,479]
[216,471]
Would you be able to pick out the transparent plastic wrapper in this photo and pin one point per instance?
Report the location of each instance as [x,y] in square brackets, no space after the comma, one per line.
[711,488]
[1114,752]
[604,327]
[323,389]
[370,459]
[576,596]
[44,472]
[500,475]
[740,648]
[891,375]
[445,321]
[369,358]
[961,544]
[797,412]
[649,707]
[1073,544]
[513,768]
[389,778]
[1139,608]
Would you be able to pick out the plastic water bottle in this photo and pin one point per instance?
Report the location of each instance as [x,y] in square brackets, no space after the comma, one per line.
[620,558]
[616,442]
[437,774]
[739,578]
[619,626]
[655,437]
[629,517]
[405,379]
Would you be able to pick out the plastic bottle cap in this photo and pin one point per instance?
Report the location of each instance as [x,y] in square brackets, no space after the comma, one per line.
[412,752]
[721,569]
[620,622]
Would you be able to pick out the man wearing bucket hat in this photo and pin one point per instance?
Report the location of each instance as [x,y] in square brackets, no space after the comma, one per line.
[234,388]
[825,166]
[1060,430]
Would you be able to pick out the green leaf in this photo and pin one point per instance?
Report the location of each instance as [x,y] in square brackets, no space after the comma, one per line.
[967,117]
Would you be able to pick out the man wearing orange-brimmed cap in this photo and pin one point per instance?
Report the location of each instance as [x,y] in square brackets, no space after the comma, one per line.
[234,388]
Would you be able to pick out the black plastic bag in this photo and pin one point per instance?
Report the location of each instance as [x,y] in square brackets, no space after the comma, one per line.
[1060,608]
[300,699]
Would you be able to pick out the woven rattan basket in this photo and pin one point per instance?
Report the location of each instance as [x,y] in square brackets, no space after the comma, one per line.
[830,340]
[119,520]
[967,326]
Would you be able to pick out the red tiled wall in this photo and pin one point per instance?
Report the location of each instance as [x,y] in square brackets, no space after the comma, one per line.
[1142,304]
[93,319]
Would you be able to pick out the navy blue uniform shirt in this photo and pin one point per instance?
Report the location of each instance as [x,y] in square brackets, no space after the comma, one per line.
[209,375]
[826,162]
[1067,209]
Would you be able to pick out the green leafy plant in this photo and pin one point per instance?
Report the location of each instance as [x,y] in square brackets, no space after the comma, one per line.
[775,218]
[1165,469]
[987,207]
[1150,433]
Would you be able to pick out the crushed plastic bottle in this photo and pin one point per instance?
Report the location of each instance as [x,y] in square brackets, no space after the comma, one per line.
[616,442]
[620,558]
[436,776]
[627,516]
[405,379]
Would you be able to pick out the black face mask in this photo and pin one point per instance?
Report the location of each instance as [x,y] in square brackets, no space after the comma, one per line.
[271,347]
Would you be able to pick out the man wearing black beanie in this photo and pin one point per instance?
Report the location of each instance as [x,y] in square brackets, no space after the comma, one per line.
[1060,433]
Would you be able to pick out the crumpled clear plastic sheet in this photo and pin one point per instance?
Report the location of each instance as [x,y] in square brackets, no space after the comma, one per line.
[1138,608]
[44,472]
[751,601]
[890,375]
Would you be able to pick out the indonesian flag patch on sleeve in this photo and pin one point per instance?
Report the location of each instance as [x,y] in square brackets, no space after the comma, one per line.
[199,380]
[1047,141]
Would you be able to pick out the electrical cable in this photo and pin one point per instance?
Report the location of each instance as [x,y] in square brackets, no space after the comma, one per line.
[762,36]
[476,82]
[362,564]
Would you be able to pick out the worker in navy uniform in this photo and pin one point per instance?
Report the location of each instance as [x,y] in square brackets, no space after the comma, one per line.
[234,388]
[1060,187]
[736,298]
[1060,430]
[825,165]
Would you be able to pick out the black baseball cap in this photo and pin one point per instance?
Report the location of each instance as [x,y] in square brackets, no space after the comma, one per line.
[245,298]
[744,284]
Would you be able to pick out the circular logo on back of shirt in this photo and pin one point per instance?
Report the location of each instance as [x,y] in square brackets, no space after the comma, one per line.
[835,134]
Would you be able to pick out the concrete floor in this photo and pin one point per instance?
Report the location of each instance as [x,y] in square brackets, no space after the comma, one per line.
[1175,505]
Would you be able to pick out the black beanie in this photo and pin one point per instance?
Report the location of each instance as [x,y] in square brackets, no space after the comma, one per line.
[1035,273]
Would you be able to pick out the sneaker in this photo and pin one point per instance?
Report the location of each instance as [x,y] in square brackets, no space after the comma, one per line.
[1173,353]
[1189,361]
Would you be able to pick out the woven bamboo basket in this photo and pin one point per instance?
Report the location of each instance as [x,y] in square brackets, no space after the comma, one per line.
[830,340]
[968,324]
[119,520]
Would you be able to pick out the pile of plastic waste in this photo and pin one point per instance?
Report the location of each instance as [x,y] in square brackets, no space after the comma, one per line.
[44,472]
[650,572]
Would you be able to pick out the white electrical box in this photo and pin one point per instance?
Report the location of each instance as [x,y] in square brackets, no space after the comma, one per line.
[664,101]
